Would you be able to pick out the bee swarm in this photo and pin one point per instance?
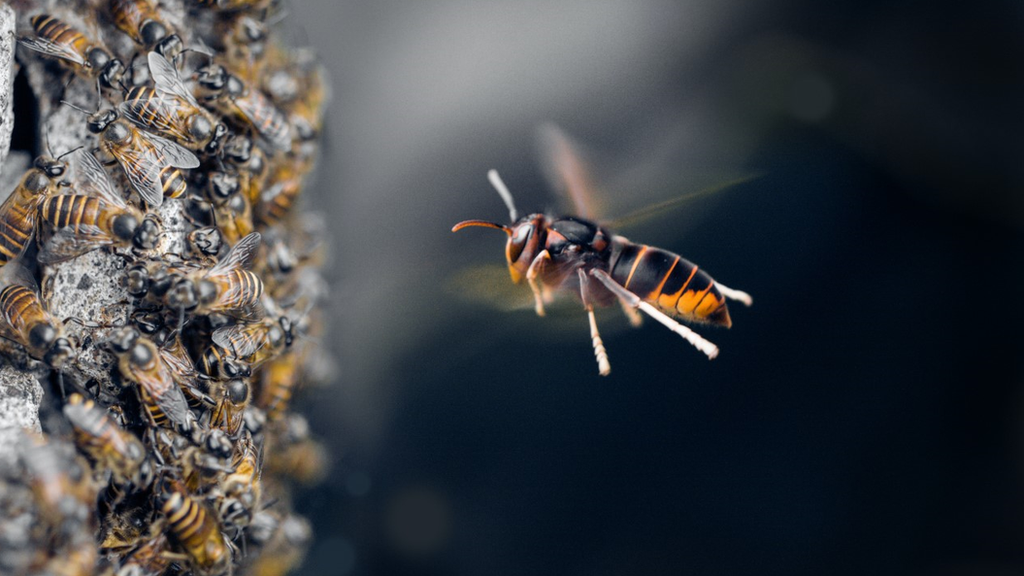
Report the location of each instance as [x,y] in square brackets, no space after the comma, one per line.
[145,420]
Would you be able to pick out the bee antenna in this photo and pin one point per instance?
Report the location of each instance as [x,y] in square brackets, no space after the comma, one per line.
[73,107]
[492,175]
[73,150]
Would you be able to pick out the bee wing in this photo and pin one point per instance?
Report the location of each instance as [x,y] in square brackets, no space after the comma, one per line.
[142,166]
[95,178]
[174,154]
[51,48]
[72,241]
[167,80]
[136,111]
[240,256]
[268,120]
[242,339]
[181,367]
[160,387]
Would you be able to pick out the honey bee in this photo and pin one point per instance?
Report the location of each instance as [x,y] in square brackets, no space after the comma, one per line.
[141,21]
[205,242]
[184,373]
[150,162]
[233,396]
[25,321]
[297,455]
[102,440]
[170,110]
[234,99]
[282,188]
[19,210]
[58,483]
[195,529]
[85,222]
[250,164]
[140,361]
[251,343]
[549,251]
[55,38]
[231,209]
[151,558]
[226,287]
[279,378]
[241,489]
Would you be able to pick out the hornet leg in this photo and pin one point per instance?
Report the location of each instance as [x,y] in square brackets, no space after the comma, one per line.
[634,301]
[603,366]
[531,276]
[735,294]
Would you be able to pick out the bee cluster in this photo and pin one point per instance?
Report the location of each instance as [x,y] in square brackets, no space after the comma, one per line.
[161,284]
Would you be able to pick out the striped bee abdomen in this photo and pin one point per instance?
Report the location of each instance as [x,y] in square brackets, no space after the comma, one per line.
[173,182]
[16,228]
[670,282]
[59,33]
[71,210]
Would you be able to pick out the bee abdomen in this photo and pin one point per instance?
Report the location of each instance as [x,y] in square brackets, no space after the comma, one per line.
[71,210]
[19,302]
[173,182]
[15,232]
[58,32]
[672,283]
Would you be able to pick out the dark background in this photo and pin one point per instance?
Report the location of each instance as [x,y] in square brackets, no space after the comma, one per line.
[866,415]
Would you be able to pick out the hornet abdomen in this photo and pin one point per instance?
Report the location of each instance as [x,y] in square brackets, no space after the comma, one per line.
[669,282]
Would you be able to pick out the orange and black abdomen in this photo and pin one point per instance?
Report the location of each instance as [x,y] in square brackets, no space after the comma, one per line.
[173,182]
[72,210]
[17,224]
[130,15]
[196,530]
[22,307]
[59,33]
[670,282]
[240,288]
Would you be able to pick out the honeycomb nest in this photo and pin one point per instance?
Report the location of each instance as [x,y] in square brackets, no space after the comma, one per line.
[160,289]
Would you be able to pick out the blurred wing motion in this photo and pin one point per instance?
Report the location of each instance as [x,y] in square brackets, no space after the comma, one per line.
[648,212]
[567,172]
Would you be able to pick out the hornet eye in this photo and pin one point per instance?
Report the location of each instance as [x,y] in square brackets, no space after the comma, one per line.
[517,242]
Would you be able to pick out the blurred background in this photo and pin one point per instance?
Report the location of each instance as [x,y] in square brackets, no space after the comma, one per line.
[866,415]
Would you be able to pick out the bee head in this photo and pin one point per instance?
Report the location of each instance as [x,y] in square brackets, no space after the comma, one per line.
[42,336]
[138,280]
[220,133]
[124,226]
[124,340]
[182,296]
[146,233]
[218,444]
[200,128]
[99,122]
[51,167]
[221,186]
[237,392]
[111,73]
[170,46]
[212,77]
[206,240]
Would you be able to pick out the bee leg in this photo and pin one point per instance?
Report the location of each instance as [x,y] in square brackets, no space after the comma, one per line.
[635,301]
[603,366]
[531,276]
[734,294]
